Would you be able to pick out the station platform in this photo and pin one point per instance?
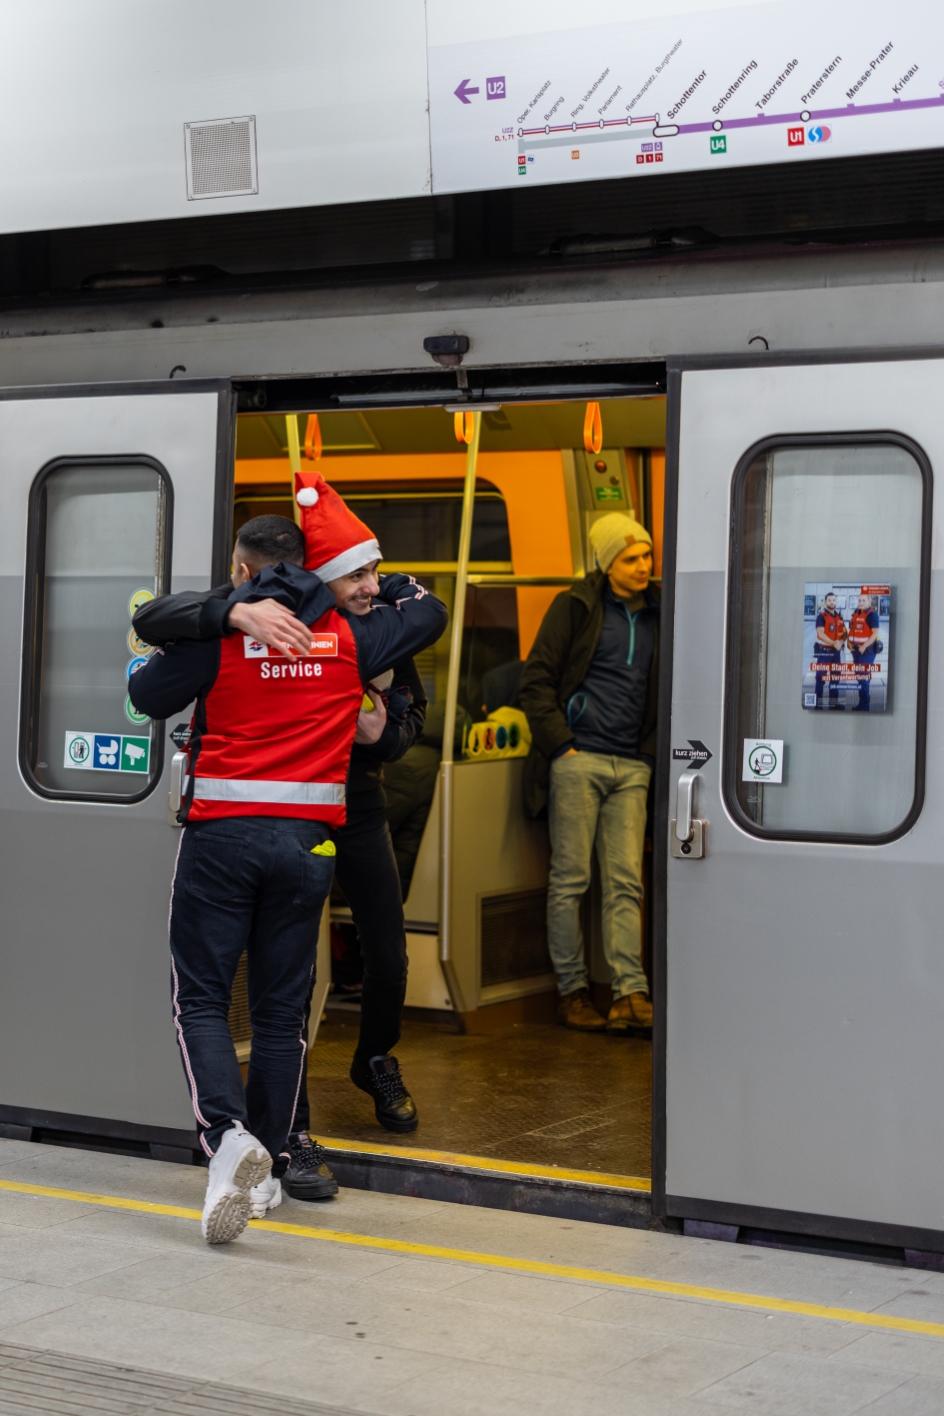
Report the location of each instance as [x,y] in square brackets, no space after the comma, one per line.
[110,1301]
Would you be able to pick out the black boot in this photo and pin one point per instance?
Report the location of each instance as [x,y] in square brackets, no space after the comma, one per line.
[308,1176]
[380,1078]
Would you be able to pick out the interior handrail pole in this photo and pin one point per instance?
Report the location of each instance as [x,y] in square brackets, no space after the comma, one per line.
[452,698]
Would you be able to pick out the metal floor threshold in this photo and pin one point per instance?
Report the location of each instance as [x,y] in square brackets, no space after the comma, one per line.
[57,1384]
[494,1184]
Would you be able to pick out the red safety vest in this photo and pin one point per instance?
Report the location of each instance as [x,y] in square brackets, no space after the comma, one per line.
[833,624]
[859,631]
[278,731]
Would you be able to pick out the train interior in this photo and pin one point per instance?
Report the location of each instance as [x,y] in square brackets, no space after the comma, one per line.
[493,1074]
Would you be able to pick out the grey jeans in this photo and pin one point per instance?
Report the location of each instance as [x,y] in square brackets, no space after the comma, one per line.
[599,801]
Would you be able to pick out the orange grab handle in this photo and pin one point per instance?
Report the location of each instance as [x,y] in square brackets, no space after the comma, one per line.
[313,438]
[464,424]
[593,428]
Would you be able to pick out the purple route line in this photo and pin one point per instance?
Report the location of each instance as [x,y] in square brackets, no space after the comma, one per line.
[851,110]
[762,120]
[579,127]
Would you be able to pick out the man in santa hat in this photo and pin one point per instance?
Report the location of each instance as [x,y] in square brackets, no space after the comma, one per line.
[269,750]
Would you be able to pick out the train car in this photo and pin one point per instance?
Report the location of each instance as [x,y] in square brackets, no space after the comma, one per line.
[769,410]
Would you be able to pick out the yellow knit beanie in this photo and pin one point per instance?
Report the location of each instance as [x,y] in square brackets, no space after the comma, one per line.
[612,534]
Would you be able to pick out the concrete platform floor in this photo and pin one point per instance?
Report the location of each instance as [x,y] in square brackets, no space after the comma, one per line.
[92,1294]
[532,1092]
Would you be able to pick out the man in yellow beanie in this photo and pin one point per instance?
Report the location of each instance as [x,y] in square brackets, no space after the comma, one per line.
[589,690]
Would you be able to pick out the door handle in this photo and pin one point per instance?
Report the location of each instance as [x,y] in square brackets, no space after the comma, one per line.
[687,835]
[178,766]
[685,796]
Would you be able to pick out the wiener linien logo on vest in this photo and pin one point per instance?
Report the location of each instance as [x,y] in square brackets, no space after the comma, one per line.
[323,645]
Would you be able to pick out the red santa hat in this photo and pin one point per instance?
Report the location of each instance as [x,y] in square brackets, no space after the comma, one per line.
[336,541]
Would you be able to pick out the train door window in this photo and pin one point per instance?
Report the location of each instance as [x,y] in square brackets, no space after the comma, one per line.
[827,639]
[99,546]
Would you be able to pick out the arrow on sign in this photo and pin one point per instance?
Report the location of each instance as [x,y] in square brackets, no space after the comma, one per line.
[181,735]
[463,91]
[696,754]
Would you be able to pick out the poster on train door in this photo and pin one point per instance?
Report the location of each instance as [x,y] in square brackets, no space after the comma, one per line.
[846,646]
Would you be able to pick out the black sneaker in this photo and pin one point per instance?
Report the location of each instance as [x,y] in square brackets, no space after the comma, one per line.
[393,1106]
[308,1176]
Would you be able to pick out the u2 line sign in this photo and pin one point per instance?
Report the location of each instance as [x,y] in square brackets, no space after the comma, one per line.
[762,82]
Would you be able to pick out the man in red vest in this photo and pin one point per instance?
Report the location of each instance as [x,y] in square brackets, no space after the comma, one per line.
[270,742]
[863,641]
[830,637]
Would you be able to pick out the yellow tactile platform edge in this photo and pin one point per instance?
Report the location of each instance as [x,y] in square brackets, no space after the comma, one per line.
[601,1277]
[487,1165]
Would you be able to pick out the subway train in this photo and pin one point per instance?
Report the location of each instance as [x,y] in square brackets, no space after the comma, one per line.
[769,409]
[792,925]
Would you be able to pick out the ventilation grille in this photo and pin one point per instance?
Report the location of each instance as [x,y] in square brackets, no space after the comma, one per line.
[514,936]
[221,158]
[239,1025]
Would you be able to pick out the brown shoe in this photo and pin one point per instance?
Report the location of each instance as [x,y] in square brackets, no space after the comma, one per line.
[631,1014]
[576,1011]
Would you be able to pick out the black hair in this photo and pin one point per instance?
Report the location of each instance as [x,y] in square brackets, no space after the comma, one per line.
[271,539]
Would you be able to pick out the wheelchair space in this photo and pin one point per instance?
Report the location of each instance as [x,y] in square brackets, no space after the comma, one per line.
[531,1092]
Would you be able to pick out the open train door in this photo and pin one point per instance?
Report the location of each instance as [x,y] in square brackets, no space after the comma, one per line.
[109,495]
[800,1045]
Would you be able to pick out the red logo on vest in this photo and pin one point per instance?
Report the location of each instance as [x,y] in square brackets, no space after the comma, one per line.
[325,645]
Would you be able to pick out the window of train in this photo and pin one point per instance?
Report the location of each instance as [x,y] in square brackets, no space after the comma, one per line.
[828,638]
[99,538]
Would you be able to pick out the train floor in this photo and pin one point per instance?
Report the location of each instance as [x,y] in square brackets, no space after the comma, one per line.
[531,1092]
[110,1301]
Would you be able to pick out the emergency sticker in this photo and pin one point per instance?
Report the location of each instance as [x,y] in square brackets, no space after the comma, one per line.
[254,648]
[325,645]
[139,598]
[137,645]
[136,663]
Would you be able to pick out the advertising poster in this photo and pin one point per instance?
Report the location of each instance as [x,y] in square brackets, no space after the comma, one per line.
[846,646]
[516,97]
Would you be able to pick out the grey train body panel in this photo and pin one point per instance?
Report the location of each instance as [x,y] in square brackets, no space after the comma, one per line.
[85,1018]
[805,980]
[708,304]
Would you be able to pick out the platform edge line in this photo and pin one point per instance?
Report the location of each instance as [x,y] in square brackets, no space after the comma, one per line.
[729,1297]
[634,1183]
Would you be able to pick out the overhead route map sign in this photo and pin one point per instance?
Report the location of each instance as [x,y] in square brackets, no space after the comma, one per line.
[685,88]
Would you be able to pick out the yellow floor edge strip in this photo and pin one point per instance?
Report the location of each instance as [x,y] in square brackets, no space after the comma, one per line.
[502,1261]
[479,1162]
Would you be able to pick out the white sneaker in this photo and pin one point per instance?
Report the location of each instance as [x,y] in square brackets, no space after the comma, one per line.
[265,1196]
[240,1162]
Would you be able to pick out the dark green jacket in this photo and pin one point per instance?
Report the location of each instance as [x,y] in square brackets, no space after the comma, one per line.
[555,669]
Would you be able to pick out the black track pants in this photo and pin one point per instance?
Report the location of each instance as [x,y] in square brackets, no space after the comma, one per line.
[366,869]
[253,883]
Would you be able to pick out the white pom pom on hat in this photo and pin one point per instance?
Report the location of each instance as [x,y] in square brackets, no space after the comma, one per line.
[306,496]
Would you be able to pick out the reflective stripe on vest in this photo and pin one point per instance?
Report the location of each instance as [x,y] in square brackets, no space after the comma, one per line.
[285,793]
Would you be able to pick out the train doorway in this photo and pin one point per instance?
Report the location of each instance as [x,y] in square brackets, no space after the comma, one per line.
[499,530]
